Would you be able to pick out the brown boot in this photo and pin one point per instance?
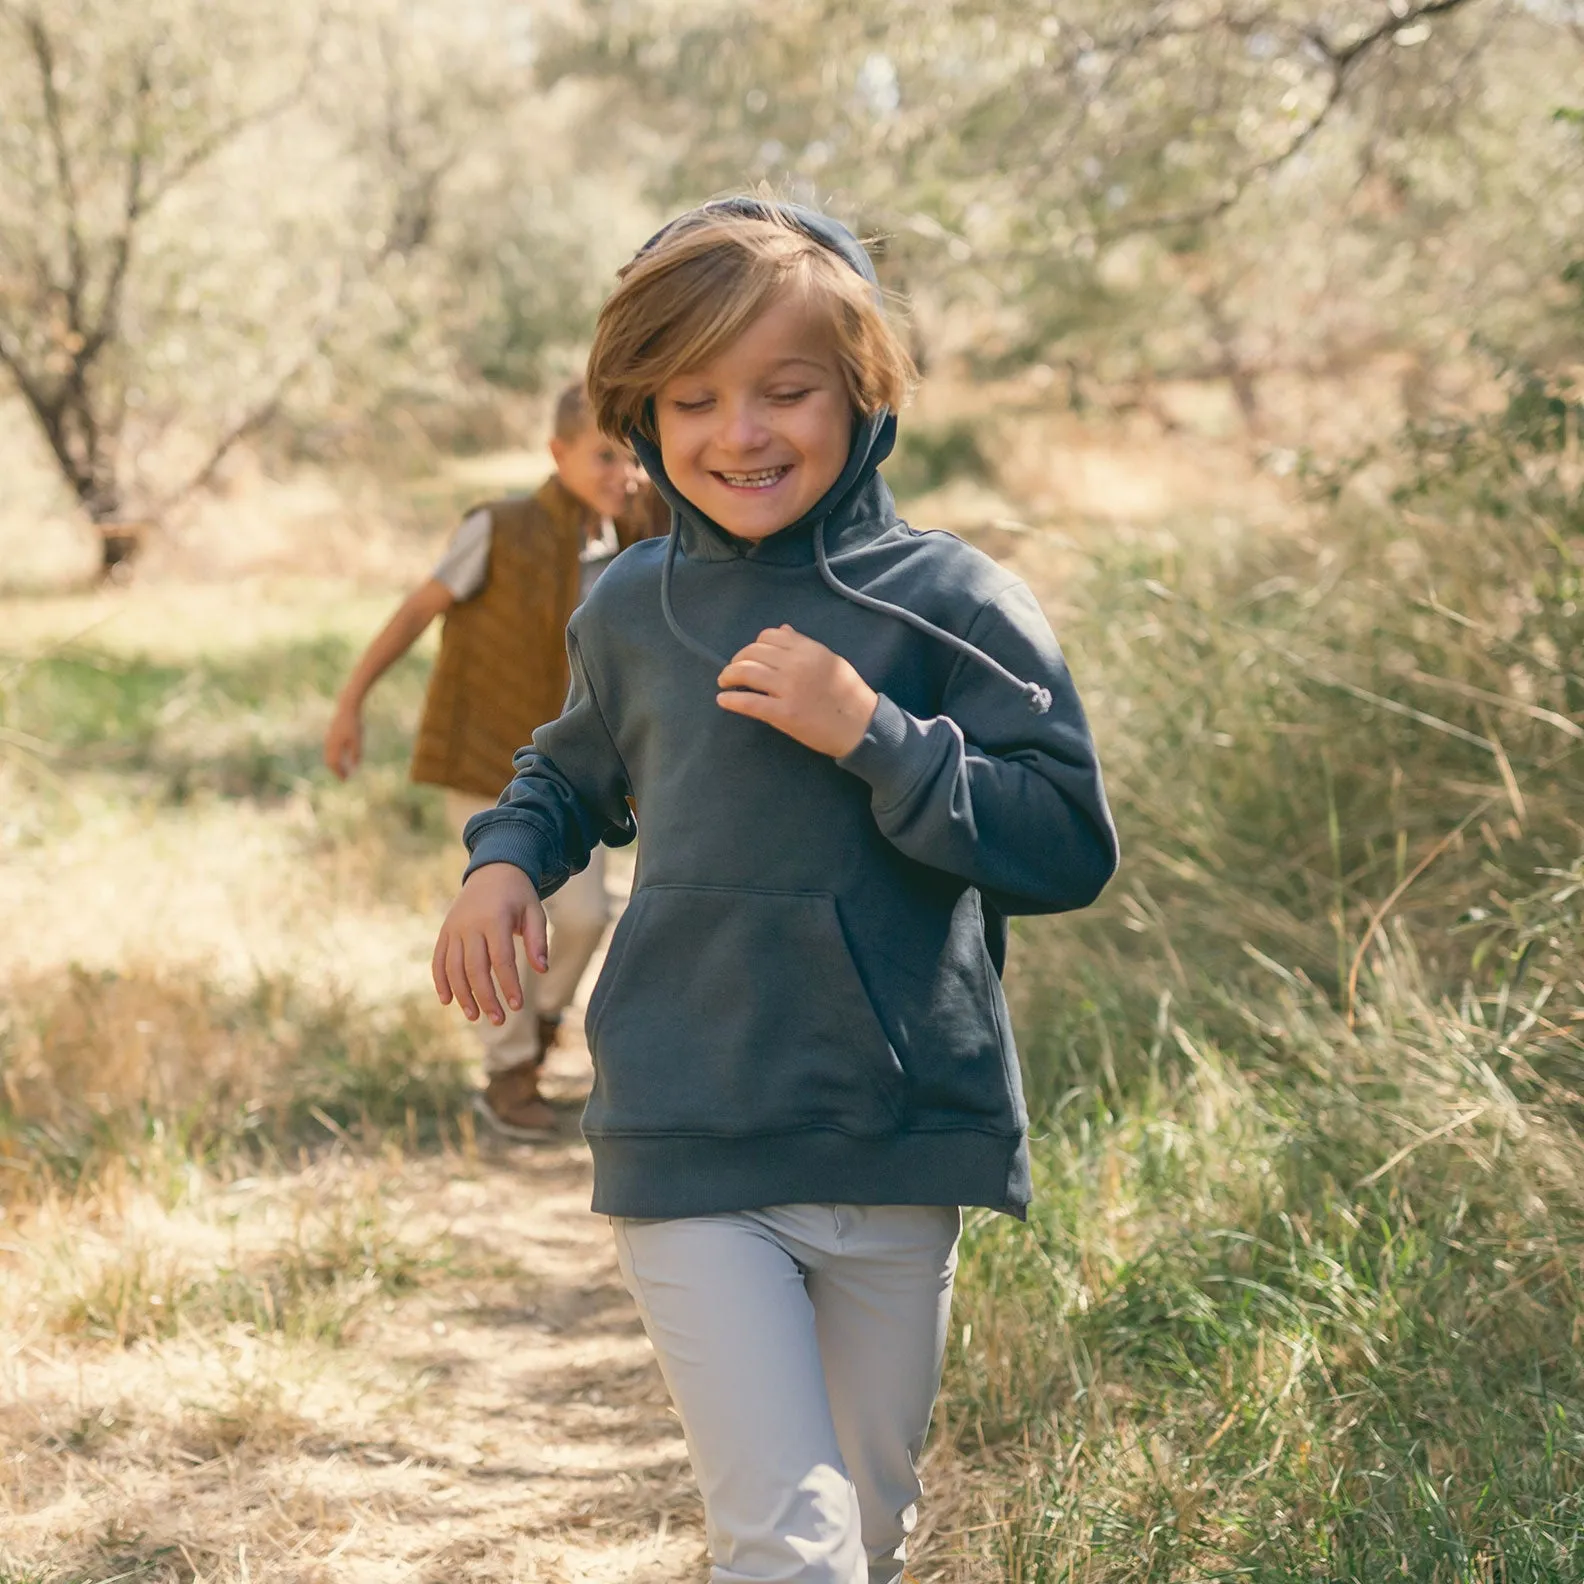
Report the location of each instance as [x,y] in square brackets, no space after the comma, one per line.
[511,1105]
[549,1034]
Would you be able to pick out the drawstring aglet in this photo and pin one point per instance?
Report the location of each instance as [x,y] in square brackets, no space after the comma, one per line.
[1037,698]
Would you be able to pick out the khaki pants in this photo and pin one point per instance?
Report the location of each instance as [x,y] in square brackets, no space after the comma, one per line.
[802,1345]
[578,914]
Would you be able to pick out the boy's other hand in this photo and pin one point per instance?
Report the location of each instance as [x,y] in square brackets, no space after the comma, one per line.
[801,688]
[343,744]
[496,903]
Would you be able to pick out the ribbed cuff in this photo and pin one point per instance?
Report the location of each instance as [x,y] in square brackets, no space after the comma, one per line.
[892,755]
[515,841]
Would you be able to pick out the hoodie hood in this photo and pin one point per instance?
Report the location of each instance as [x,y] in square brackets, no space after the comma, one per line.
[856,508]
[859,497]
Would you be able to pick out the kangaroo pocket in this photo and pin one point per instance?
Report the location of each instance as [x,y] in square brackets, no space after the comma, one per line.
[728,1013]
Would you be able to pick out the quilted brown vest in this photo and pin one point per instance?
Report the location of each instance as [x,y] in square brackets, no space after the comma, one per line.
[502,671]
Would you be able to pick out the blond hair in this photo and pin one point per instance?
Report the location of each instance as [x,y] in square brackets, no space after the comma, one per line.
[694,291]
[573,412]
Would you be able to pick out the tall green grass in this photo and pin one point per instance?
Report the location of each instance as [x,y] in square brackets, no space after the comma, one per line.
[1301,1297]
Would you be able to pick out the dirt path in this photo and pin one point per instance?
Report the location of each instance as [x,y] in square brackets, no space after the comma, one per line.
[556,1445]
[418,1367]
[484,1409]
[543,1445]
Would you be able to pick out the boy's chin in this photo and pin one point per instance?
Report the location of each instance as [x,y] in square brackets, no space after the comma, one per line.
[755,525]
[754,531]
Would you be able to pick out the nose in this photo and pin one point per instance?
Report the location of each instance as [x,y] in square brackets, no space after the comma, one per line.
[742,429]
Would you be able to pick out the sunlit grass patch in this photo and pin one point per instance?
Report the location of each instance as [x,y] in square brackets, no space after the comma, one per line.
[245,724]
[88,737]
[1301,1297]
[155,1283]
[81,697]
[153,1072]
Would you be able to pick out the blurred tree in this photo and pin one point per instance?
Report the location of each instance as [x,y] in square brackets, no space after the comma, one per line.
[112,114]
[213,214]
[1136,187]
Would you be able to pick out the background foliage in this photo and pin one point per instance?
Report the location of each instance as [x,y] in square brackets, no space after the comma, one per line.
[1300,1299]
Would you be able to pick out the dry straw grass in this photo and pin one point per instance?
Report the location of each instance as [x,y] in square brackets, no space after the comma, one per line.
[285,1319]
[157,1072]
[1300,1299]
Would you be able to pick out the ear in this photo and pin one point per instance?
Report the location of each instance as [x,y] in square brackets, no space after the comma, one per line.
[558,450]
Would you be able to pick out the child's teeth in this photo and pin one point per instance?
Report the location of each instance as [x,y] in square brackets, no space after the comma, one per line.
[751,480]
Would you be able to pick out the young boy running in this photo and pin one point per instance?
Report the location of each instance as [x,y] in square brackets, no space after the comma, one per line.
[507,586]
[855,750]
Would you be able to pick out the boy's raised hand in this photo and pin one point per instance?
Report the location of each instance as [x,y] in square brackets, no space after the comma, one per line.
[496,903]
[801,688]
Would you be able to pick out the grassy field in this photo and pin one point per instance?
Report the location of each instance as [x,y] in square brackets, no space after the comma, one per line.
[1299,1300]
[271,1310]
[1302,1296]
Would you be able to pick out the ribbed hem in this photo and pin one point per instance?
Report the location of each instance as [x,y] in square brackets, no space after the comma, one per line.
[892,754]
[666,1177]
[514,841]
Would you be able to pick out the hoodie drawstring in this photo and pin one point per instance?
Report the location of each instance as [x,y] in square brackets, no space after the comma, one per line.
[1038,698]
[680,633]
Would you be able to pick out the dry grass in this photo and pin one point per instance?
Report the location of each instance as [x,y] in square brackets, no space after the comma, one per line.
[268,1308]
[330,1339]
[1300,1298]
[318,1397]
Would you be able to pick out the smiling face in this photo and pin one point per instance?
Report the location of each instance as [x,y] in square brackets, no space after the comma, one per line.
[597,471]
[755,436]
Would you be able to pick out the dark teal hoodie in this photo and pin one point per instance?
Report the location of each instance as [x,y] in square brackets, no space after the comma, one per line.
[803,1000]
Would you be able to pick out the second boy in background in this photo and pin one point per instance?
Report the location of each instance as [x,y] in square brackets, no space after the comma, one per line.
[507,585]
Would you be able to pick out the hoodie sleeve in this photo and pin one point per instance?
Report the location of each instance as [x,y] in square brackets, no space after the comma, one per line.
[987,790]
[568,793]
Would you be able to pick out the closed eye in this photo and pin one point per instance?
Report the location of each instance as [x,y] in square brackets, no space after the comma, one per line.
[702,404]
[787,398]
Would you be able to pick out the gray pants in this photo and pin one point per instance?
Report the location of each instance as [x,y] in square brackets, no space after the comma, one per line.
[578,914]
[802,1345]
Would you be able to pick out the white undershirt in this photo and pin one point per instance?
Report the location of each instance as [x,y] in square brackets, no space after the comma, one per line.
[464,568]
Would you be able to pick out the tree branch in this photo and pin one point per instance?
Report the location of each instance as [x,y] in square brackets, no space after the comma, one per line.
[233,127]
[260,413]
[1342,61]
[54,119]
[254,419]
[131,213]
[48,413]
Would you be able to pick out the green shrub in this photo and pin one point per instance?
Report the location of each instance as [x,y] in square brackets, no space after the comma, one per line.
[927,457]
[1300,1299]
